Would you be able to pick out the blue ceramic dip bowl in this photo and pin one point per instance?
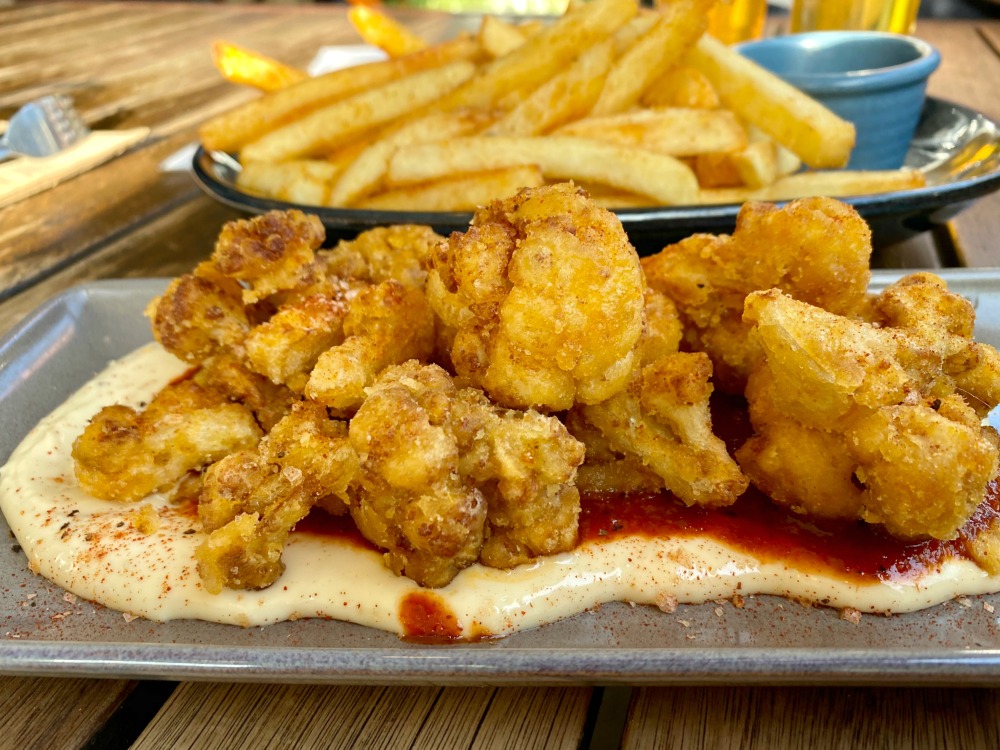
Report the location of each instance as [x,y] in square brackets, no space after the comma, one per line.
[876,80]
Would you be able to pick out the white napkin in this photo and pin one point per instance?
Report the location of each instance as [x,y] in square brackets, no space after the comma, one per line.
[25,176]
[344,56]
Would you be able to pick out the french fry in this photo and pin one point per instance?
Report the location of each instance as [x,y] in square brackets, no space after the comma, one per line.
[835,184]
[243,66]
[810,130]
[564,97]
[682,86]
[717,170]
[560,158]
[366,172]
[613,199]
[638,105]
[785,162]
[232,130]
[326,127]
[676,132]
[630,33]
[461,192]
[679,26]
[544,54]
[757,164]
[383,31]
[304,181]
[530,27]
[498,37]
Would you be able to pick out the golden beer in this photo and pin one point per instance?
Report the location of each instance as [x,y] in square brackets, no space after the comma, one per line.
[732,21]
[899,16]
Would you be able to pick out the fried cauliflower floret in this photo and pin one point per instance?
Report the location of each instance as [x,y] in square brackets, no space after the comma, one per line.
[921,304]
[541,300]
[286,347]
[983,545]
[657,433]
[227,375]
[125,455]
[252,499]
[662,419]
[410,499]
[268,253]
[401,252]
[386,324]
[447,477]
[880,404]
[200,314]
[535,505]
[816,249]
[663,331]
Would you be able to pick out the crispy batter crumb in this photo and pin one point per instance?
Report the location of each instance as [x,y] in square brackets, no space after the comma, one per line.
[989,607]
[145,519]
[738,601]
[850,615]
[666,602]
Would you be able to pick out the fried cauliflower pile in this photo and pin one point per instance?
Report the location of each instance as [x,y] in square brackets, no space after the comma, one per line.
[455,395]
[895,405]
[817,250]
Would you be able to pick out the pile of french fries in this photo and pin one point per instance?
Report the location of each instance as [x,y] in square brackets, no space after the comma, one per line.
[639,106]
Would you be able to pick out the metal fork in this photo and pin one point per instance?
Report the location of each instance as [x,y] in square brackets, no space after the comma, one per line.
[43,127]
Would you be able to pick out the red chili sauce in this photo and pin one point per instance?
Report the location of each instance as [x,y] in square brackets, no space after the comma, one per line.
[754,524]
[767,531]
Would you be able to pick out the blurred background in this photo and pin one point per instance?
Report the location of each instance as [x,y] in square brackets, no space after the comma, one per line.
[928,8]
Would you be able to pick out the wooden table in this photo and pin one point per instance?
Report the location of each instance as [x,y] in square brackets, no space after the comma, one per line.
[130,64]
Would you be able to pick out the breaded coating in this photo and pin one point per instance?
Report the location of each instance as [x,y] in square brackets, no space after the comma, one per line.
[401,252]
[861,420]
[983,545]
[663,331]
[200,314]
[268,253]
[921,304]
[252,499]
[124,454]
[657,433]
[534,506]
[447,477]
[816,249]
[605,469]
[663,420]
[386,324]
[286,347]
[228,375]
[541,300]
[411,499]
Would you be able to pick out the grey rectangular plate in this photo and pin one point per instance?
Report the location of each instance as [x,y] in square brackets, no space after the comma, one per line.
[770,640]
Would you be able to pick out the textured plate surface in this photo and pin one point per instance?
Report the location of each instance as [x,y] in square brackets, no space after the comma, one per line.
[44,632]
[957,148]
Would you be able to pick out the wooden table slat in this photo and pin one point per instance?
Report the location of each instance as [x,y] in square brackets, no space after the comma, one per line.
[246,717]
[785,718]
[46,712]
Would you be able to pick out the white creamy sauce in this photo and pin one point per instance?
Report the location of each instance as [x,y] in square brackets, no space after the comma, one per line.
[89,547]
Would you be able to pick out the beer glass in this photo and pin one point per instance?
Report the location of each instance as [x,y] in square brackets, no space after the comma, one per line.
[732,21]
[899,16]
